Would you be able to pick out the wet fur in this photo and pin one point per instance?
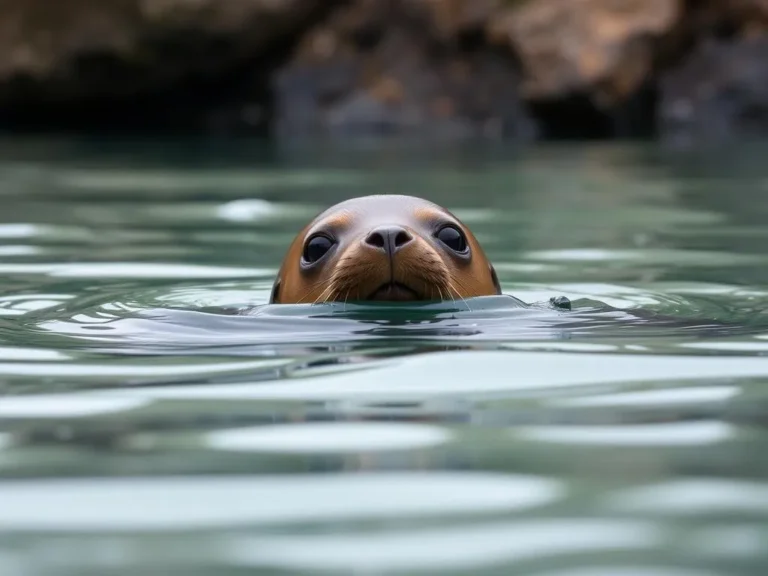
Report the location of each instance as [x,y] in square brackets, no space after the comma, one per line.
[429,269]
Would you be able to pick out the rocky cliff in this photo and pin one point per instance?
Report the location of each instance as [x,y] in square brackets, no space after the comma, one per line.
[684,70]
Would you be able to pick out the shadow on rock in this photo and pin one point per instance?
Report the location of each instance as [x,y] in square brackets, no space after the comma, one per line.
[383,68]
[719,93]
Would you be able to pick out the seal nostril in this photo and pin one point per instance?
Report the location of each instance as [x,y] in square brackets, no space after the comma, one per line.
[389,238]
[376,239]
[402,238]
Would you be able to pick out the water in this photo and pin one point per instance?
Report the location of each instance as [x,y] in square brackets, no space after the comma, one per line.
[156,418]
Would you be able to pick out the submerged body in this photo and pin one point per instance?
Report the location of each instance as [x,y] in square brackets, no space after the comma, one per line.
[386,248]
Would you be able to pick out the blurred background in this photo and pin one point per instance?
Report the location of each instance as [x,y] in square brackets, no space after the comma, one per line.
[157,157]
[518,70]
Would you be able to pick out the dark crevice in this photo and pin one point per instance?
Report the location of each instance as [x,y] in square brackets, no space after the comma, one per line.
[710,18]
[472,40]
[574,117]
[635,118]
[234,100]
[368,36]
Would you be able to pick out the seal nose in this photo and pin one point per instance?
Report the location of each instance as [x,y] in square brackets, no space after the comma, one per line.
[389,238]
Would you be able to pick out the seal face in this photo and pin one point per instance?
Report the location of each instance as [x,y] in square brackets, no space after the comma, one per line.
[384,247]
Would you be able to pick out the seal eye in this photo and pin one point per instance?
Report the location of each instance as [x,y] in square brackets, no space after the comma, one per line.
[453,238]
[316,247]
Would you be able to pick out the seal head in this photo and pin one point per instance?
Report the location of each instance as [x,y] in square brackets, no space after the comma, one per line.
[384,247]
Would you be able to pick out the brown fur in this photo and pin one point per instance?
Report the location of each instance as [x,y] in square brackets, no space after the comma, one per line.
[352,270]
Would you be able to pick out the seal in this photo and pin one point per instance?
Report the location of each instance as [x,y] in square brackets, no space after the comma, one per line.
[385,248]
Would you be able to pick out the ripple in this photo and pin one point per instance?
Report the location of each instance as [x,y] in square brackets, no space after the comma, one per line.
[584,255]
[711,289]
[260,210]
[144,270]
[176,321]
[62,370]
[13,564]
[329,437]
[247,210]
[19,230]
[225,181]
[475,373]
[220,294]
[727,346]
[287,325]
[64,406]
[679,396]
[564,346]
[18,305]
[675,434]
[460,548]
[19,250]
[603,570]
[5,440]
[31,354]
[524,267]
[685,257]
[730,541]
[702,496]
[188,503]
[618,296]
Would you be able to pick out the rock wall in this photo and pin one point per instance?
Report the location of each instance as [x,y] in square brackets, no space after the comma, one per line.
[144,64]
[680,70]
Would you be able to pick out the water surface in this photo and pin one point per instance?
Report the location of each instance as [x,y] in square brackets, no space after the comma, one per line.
[157,417]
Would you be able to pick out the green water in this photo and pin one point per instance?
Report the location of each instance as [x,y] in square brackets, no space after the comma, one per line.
[156,418]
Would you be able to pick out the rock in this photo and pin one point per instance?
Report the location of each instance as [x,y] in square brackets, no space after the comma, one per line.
[601,47]
[445,69]
[392,68]
[719,93]
[451,18]
[465,67]
[111,52]
[746,14]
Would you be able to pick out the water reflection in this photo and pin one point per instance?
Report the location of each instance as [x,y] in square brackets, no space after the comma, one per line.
[470,373]
[331,437]
[447,549]
[654,398]
[220,501]
[618,570]
[656,434]
[700,496]
[41,406]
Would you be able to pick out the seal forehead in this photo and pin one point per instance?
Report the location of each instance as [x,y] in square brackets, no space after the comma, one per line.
[335,219]
[379,209]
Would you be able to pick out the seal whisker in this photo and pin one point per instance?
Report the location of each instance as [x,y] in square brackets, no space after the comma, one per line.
[450,287]
[309,291]
[329,290]
[458,294]
[464,289]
